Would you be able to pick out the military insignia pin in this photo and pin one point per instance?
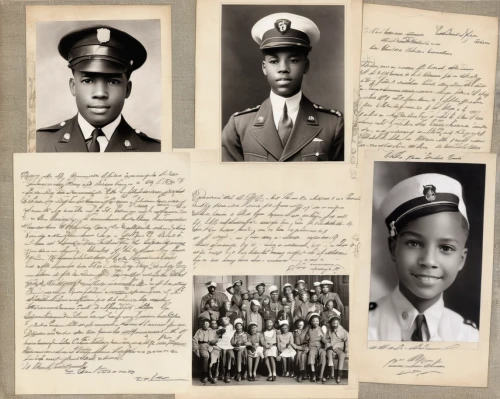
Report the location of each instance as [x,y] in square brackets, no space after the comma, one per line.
[127,143]
[430,192]
[282,25]
[260,119]
[103,35]
[310,118]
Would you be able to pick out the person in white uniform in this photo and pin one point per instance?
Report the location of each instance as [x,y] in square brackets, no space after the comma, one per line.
[427,220]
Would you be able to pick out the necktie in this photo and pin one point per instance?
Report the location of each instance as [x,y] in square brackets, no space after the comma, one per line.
[285,126]
[94,144]
[418,334]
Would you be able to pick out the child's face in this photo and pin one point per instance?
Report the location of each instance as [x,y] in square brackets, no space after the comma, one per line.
[305,297]
[260,289]
[99,97]
[285,70]
[245,296]
[253,329]
[317,289]
[314,297]
[300,325]
[314,322]
[213,325]
[274,296]
[239,327]
[329,305]
[288,291]
[429,252]
[284,328]
[212,303]
[269,324]
[254,308]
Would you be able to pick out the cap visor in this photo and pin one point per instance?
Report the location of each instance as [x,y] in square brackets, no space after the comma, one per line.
[99,66]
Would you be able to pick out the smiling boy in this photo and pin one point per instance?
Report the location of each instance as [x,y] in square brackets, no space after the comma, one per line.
[102,60]
[287,127]
[428,225]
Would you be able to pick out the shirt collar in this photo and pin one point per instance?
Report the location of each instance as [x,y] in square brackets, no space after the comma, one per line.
[407,313]
[87,128]
[278,102]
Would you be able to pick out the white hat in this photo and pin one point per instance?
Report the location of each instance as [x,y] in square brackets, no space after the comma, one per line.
[285,30]
[316,284]
[256,302]
[287,285]
[299,282]
[326,282]
[252,323]
[335,316]
[281,322]
[237,281]
[239,320]
[259,284]
[419,196]
[273,288]
[311,315]
[211,284]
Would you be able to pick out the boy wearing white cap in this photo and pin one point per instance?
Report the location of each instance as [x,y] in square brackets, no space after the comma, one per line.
[219,297]
[287,126]
[427,220]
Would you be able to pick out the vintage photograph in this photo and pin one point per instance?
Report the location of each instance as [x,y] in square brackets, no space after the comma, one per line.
[426,251]
[99,86]
[270,330]
[282,83]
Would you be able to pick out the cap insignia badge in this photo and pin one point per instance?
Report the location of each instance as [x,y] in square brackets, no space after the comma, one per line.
[103,35]
[310,118]
[282,25]
[430,192]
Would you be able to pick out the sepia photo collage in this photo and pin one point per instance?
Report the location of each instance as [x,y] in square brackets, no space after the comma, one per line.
[363,254]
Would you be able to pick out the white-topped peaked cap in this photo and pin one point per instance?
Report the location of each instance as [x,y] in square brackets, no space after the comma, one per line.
[326,282]
[211,284]
[316,284]
[419,196]
[273,288]
[285,30]
[281,322]
[239,320]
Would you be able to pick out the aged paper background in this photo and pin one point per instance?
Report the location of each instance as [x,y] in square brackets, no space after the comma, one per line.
[217,179]
[13,102]
[455,371]
[84,322]
[36,14]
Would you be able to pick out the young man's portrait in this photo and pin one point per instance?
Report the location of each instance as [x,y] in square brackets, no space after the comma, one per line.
[98,86]
[282,72]
[426,253]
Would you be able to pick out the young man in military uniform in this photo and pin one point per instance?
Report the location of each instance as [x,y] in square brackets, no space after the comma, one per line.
[218,296]
[327,294]
[427,220]
[287,127]
[102,60]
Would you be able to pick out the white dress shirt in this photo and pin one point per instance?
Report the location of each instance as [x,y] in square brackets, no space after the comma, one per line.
[108,131]
[292,105]
[394,319]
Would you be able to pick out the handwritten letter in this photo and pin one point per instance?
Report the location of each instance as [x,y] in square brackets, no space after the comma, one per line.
[102,273]
[427,80]
[246,218]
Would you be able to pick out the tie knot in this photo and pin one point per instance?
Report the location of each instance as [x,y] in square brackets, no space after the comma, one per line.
[97,133]
[285,109]
[420,320]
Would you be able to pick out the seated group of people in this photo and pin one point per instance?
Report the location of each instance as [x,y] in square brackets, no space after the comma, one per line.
[299,328]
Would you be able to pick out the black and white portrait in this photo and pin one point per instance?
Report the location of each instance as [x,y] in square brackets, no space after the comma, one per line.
[99,86]
[282,83]
[426,251]
[270,330]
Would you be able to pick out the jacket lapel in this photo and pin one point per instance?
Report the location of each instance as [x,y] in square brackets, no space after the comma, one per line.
[264,130]
[70,138]
[124,138]
[306,127]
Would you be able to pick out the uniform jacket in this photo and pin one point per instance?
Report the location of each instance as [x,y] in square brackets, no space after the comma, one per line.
[67,137]
[392,318]
[251,136]
[204,337]
[219,297]
[337,303]
[338,339]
